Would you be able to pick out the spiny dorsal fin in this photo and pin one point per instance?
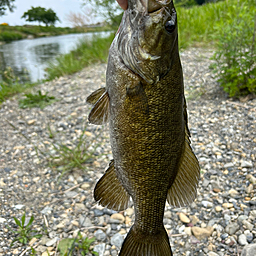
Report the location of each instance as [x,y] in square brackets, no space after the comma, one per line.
[184,188]
[100,111]
[109,192]
[95,96]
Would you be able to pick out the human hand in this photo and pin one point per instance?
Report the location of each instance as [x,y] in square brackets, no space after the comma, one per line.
[123,4]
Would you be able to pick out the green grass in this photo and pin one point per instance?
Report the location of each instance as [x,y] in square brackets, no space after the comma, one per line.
[7,91]
[9,36]
[202,24]
[10,33]
[36,100]
[85,54]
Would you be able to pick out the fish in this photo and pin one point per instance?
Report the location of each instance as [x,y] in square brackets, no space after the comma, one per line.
[144,104]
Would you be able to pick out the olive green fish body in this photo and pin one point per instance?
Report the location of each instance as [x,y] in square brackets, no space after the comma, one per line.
[145,106]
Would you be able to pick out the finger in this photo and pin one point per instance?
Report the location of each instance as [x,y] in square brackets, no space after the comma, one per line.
[123,4]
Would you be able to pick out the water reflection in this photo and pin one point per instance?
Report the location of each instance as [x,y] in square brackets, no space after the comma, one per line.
[28,57]
[45,52]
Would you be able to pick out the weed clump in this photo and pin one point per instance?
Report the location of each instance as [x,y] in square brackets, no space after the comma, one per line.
[235,57]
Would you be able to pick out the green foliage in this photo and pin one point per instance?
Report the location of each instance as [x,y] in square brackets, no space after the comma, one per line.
[235,56]
[85,54]
[76,246]
[201,24]
[24,233]
[10,36]
[36,100]
[40,14]
[10,84]
[4,4]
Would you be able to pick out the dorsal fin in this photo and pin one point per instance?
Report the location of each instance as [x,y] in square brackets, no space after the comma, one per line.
[100,111]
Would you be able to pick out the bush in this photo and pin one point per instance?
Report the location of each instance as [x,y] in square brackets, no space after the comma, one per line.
[236,56]
[10,36]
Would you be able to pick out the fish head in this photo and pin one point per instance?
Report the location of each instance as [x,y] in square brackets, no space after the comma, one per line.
[147,38]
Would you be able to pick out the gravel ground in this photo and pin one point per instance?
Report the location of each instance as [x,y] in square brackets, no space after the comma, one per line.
[221,221]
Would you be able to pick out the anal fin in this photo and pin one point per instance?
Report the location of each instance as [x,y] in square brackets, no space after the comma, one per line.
[183,191]
[109,192]
[100,111]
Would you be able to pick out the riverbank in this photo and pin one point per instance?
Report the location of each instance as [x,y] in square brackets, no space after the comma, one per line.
[12,33]
[219,223]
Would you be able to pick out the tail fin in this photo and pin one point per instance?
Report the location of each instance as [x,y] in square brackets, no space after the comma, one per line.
[139,243]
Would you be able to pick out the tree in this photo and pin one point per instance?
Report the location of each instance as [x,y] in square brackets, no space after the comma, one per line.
[4,4]
[40,14]
[106,8]
[50,17]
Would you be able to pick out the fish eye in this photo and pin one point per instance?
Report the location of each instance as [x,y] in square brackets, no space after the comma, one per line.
[170,26]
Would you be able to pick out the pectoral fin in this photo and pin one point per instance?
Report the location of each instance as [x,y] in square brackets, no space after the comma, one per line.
[109,192]
[100,111]
[94,97]
[183,191]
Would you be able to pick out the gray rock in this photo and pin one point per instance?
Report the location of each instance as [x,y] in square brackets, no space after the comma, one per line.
[207,204]
[100,249]
[228,165]
[249,250]
[232,228]
[117,240]
[242,240]
[241,218]
[71,194]
[2,220]
[100,235]
[212,254]
[52,241]
[47,210]
[85,221]
[18,206]
[246,164]
[248,225]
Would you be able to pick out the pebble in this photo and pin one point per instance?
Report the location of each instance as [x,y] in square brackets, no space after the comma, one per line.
[232,228]
[218,208]
[246,164]
[249,250]
[117,240]
[242,240]
[118,216]
[184,218]
[100,249]
[201,233]
[100,235]
[52,241]
[2,220]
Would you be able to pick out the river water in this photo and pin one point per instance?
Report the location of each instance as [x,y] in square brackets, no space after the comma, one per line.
[28,58]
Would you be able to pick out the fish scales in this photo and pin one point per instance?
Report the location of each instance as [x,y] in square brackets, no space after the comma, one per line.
[145,106]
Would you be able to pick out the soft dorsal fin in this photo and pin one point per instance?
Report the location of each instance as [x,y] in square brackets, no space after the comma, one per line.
[100,111]
[109,192]
[184,188]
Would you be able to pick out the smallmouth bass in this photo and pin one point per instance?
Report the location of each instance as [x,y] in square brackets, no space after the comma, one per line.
[145,106]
